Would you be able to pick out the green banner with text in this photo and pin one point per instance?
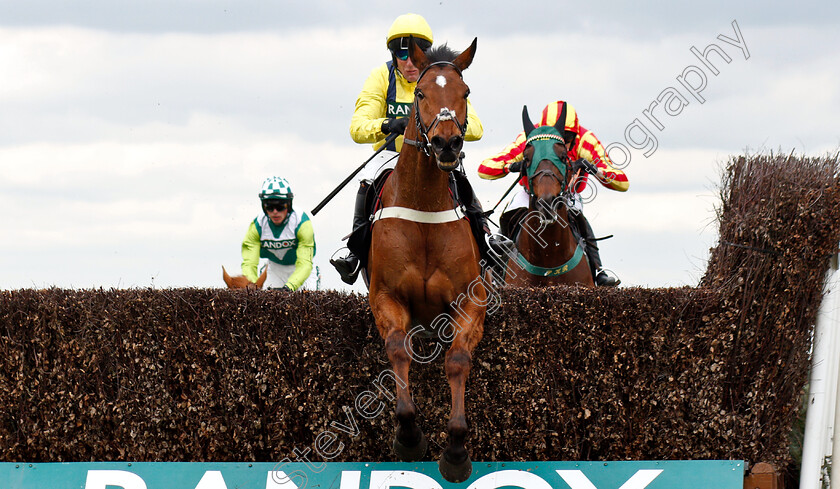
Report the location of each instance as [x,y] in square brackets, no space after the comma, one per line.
[712,474]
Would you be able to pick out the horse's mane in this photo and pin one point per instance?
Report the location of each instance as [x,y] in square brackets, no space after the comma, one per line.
[441,53]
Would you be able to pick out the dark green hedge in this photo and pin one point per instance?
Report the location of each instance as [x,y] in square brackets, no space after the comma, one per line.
[561,374]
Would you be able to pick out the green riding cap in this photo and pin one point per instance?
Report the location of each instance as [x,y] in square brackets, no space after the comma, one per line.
[276,188]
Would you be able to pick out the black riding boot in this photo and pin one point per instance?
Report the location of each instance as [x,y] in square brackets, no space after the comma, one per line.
[500,243]
[602,278]
[509,221]
[348,267]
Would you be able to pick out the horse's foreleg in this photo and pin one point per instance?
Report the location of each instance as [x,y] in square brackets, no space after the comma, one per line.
[457,370]
[455,464]
[409,442]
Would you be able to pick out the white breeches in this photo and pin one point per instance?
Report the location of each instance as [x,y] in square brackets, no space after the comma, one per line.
[520,200]
[386,160]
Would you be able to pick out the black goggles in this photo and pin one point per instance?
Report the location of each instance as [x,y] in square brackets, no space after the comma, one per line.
[278,206]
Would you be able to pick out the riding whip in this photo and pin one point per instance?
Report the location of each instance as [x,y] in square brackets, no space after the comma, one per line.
[341,185]
[515,181]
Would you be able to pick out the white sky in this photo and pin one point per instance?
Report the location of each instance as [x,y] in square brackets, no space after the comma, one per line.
[134,136]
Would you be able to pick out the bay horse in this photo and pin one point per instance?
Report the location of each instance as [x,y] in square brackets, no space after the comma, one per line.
[547,251]
[423,261]
[242,282]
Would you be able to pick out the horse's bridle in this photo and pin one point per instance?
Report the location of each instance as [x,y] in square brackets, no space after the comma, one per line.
[445,114]
[565,195]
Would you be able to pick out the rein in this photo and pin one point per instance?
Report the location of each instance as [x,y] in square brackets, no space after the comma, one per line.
[445,114]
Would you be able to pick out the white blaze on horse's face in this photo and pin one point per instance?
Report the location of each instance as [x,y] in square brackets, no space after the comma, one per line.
[446,114]
[441,81]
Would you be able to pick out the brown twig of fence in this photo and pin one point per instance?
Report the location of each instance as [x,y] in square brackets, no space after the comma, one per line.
[708,372]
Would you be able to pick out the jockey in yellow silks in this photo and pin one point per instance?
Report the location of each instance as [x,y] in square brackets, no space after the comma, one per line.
[382,108]
[581,143]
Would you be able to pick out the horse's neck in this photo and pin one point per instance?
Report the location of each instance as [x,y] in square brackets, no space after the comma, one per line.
[418,183]
[547,246]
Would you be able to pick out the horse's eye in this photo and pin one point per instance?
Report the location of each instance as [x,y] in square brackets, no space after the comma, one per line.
[419,95]
[467,94]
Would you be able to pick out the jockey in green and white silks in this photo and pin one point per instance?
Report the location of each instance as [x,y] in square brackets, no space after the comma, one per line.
[281,235]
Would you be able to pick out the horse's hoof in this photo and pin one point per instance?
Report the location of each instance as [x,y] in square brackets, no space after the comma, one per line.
[411,454]
[455,472]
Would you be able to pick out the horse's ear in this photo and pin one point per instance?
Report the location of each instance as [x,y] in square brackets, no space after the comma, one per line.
[262,277]
[526,121]
[465,59]
[227,279]
[418,57]
[560,125]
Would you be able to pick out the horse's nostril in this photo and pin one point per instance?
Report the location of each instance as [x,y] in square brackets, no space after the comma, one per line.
[454,144]
[438,143]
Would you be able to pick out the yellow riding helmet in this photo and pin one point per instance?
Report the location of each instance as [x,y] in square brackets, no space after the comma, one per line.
[409,25]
